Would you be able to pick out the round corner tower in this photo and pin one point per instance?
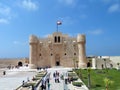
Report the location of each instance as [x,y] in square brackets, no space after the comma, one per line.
[33,40]
[81,40]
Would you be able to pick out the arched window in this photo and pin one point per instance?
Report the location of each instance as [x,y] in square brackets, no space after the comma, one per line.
[55,39]
[88,64]
[58,38]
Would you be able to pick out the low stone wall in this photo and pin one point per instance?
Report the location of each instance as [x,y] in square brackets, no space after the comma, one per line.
[13,62]
[115,59]
[108,61]
[101,61]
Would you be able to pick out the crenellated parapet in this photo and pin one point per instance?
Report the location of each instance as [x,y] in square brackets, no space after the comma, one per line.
[81,38]
[33,39]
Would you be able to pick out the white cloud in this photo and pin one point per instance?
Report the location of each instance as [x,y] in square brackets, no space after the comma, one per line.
[19,43]
[95,32]
[29,5]
[114,8]
[5,10]
[5,14]
[67,2]
[3,21]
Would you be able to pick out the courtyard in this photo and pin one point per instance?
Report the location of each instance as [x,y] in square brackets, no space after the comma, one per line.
[14,78]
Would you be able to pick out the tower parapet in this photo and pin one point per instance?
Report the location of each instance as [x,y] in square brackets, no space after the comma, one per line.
[81,40]
[33,40]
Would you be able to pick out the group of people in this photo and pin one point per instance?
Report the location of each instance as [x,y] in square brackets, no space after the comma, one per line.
[56,76]
[43,85]
[45,82]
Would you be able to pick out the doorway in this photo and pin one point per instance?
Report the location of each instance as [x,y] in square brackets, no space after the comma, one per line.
[57,63]
[57,60]
[20,63]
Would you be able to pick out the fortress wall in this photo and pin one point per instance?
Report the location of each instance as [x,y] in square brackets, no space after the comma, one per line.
[109,60]
[115,59]
[101,61]
[8,61]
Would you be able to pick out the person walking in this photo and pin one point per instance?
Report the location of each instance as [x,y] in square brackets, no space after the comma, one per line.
[43,85]
[48,84]
[4,72]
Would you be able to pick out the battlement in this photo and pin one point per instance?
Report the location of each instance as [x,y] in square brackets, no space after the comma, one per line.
[33,39]
[81,38]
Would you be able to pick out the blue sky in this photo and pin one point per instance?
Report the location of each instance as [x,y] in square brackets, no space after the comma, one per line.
[98,19]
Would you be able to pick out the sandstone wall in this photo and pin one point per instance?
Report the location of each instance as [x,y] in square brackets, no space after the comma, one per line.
[8,61]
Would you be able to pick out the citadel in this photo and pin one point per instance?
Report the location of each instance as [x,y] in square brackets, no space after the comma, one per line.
[60,49]
[57,49]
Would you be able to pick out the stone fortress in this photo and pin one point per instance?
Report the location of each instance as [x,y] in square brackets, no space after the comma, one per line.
[60,49]
[57,49]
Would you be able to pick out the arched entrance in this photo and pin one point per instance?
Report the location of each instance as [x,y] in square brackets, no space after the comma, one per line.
[57,60]
[88,64]
[20,63]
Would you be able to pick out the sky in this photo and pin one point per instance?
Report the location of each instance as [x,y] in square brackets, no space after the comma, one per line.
[99,20]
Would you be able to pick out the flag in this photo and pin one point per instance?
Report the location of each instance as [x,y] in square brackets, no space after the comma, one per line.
[59,22]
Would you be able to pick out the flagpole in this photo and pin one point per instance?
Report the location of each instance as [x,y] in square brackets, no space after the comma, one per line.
[58,23]
[57,27]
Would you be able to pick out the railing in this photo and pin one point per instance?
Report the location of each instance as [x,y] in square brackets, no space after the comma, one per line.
[36,83]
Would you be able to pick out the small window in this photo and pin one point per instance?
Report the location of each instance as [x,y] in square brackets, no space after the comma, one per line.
[55,39]
[40,54]
[65,54]
[59,39]
[74,53]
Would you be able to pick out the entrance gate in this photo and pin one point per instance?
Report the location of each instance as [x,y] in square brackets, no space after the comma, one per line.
[57,60]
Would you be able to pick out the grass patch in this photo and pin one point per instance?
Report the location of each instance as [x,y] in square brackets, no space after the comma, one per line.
[78,84]
[39,75]
[28,84]
[98,76]
[73,75]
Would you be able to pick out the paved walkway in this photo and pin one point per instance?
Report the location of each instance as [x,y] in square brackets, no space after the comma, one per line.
[57,86]
[61,85]
[13,79]
[19,75]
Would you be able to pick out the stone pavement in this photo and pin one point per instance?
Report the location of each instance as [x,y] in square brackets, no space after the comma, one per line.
[17,76]
[53,85]
[61,85]
[13,79]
